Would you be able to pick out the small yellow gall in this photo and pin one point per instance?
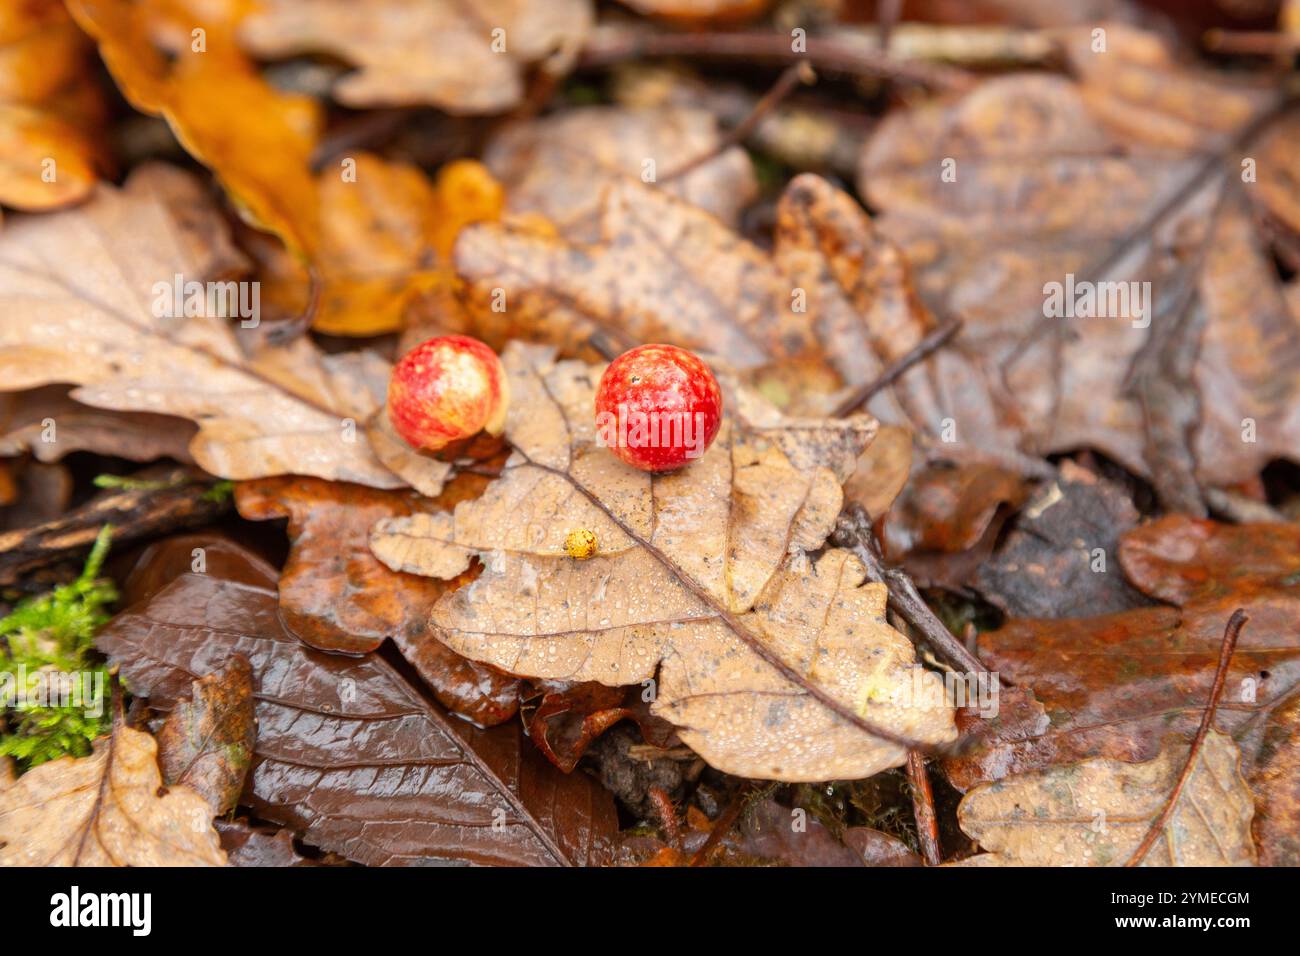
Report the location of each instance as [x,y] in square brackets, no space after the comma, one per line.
[580,544]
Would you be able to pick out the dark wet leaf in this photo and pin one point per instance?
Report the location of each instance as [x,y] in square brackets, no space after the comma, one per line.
[1061,557]
[350,754]
[206,742]
[336,596]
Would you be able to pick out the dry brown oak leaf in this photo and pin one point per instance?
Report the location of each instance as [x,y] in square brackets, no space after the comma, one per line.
[336,596]
[78,305]
[559,166]
[1096,812]
[460,57]
[107,809]
[1084,177]
[772,665]
[349,753]
[831,292]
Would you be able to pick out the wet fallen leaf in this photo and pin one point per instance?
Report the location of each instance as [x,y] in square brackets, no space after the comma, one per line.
[50,111]
[461,59]
[282,411]
[108,809]
[206,743]
[349,754]
[559,166]
[1118,684]
[565,719]
[1061,557]
[336,596]
[1276,785]
[948,509]
[202,553]
[882,470]
[1181,560]
[1050,177]
[664,271]
[1095,813]
[771,665]
[251,846]
[50,425]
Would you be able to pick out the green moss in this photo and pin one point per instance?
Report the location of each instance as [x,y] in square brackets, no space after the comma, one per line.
[53,693]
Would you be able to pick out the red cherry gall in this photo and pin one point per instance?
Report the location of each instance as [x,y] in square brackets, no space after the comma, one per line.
[446,389]
[658,407]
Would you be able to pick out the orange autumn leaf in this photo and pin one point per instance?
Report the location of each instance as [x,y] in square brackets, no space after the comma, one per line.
[48,109]
[371,234]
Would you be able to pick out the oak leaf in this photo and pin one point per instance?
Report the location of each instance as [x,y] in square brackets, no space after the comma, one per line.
[350,754]
[559,166]
[1089,183]
[361,239]
[105,810]
[283,410]
[138,436]
[772,665]
[1095,813]
[336,596]
[459,58]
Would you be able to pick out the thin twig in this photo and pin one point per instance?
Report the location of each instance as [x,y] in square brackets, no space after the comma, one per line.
[615,45]
[1262,43]
[789,80]
[722,826]
[927,824]
[853,531]
[923,349]
[1230,634]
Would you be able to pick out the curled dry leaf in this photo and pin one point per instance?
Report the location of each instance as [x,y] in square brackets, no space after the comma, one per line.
[1095,813]
[560,166]
[206,742]
[664,271]
[282,411]
[25,425]
[772,665]
[565,719]
[351,755]
[336,596]
[460,58]
[108,809]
